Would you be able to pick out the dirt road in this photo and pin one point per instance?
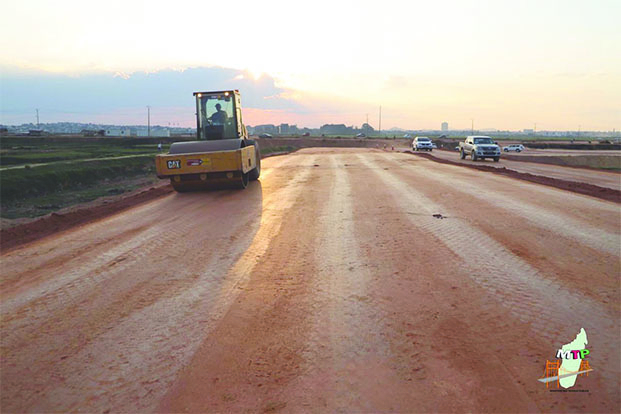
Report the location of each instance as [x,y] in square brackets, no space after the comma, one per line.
[600,178]
[327,286]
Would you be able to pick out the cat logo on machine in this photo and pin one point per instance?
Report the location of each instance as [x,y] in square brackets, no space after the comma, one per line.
[173,164]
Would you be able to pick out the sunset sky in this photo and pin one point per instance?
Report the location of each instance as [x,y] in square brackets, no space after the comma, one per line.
[505,64]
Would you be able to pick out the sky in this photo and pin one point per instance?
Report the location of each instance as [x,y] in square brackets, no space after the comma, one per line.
[495,63]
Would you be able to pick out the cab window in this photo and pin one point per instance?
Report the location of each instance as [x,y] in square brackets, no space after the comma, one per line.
[217,117]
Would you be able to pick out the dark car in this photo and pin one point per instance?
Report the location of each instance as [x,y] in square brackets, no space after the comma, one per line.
[265,136]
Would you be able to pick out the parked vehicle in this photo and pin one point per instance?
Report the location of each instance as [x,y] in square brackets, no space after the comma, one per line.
[361,135]
[514,147]
[479,147]
[265,136]
[422,144]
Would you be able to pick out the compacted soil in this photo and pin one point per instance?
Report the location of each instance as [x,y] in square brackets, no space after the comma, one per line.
[348,280]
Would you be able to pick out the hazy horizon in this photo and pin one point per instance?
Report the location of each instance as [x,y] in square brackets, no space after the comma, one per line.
[505,65]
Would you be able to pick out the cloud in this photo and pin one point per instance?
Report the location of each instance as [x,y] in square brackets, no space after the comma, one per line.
[107,92]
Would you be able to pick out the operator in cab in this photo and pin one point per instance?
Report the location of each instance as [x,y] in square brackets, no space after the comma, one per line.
[219,117]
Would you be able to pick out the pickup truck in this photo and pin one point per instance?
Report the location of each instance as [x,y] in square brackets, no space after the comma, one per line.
[479,147]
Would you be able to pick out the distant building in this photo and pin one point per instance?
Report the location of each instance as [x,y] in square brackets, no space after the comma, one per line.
[444,126]
[552,133]
[119,132]
[336,129]
[283,129]
[155,132]
[265,129]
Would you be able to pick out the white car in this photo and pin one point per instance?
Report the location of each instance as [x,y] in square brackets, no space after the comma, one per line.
[422,144]
[514,147]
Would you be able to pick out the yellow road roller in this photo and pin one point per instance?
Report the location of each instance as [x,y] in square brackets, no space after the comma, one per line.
[222,156]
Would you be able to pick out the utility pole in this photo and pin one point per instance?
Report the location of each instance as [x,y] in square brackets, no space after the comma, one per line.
[472,126]
[367,126]
[380,121]
[535,130]
[148,120]
[38,127]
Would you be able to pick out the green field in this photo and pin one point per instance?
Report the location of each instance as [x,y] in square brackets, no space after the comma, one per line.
[40,175]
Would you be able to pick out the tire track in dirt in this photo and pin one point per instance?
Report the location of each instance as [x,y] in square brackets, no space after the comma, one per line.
[86,280]
[166,331]
[583,232]
[86,305]
[552,195]
[94,312]
[192,313]
[104,247]
[256,347]
[435,317]
[550,250]
[345,347]
[530,296]
[84,245]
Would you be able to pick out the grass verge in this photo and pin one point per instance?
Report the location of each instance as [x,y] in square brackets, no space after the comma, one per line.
[31,192]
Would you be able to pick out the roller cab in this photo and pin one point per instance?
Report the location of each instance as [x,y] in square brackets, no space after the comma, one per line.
[222,155]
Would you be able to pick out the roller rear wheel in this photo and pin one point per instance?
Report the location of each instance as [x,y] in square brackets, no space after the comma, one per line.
[256,172]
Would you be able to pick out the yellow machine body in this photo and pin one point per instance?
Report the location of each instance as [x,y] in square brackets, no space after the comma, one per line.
[169,166]
[222,155]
